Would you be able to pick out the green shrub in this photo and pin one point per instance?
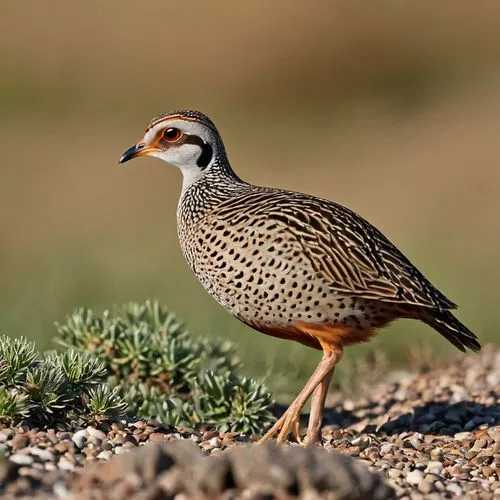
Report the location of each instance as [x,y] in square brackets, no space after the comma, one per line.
[163,373]
[56,388]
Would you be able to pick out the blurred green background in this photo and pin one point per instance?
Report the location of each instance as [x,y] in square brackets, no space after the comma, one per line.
[391,108]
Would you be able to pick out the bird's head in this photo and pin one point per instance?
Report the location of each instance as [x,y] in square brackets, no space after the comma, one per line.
[186,139]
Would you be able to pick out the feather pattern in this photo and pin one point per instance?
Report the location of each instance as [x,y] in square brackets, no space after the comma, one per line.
[342,247]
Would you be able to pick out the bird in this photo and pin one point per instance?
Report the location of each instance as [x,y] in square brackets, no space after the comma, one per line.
[288,264]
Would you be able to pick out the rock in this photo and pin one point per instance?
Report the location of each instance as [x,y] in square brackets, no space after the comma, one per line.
[157,437]
[394,473]
[21,459]
[434,467]
[96,433]
[42,454]
[178,466]
[455,488]
[63,446]
[415,477]
[80,438]
[20,441]
[386,448]
[426,486]
[104,455]
[462,435]
[65,464]
[215,442]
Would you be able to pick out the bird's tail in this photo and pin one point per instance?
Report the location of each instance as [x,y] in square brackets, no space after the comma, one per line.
[451,329]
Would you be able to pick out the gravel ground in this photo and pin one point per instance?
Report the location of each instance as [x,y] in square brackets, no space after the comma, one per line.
[430,435]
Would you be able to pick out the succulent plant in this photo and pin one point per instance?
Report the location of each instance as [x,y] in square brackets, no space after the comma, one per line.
[54,388]
[137,359]
[163,373]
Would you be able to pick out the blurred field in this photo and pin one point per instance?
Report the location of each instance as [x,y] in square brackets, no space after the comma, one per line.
[391,108]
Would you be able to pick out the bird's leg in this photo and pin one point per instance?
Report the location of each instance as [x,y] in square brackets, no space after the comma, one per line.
[317,405]
[290,418]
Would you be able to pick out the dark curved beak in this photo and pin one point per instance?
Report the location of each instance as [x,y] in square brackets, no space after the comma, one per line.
[133,152]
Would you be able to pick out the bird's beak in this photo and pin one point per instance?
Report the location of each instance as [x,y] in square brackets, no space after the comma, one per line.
[139,149]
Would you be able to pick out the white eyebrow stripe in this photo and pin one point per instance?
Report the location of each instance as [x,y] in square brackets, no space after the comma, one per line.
[191,127]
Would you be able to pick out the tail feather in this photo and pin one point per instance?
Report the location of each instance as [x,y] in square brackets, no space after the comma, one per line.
[451,329]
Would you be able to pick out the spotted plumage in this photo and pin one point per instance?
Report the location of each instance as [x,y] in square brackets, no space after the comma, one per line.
[289,264]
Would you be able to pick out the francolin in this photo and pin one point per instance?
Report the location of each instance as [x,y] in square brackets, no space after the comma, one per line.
[288,264]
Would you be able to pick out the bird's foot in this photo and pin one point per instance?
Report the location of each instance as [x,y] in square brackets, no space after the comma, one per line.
[287,423]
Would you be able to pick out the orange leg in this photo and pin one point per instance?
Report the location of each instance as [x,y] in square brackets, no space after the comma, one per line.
[289,420]
[317,405]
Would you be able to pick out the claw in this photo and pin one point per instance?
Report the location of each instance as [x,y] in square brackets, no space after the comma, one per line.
[287,423]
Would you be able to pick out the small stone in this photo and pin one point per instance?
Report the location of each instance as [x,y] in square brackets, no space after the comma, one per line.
[394,473]
[65,464]
[3,437]
[434,467]
[426,487]
[64,435]
[487,471]
[118,440]
[436,454]
[62,447]
[460,436]
[479,444]
[21,459]
[105,455]
[42,454]
[156,437]
[80,438]
[96,433]
[455,489]
[20,441]
[205,446]
[386,448]
[141,436]
[209,435]
[415,477]
[119,450]
[215,442]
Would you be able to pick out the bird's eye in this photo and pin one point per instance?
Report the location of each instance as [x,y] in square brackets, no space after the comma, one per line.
[172,134]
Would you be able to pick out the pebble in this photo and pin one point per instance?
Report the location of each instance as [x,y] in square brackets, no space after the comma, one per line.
[431,436]
[455,489]
[386,448]
[215,442]
[157,436]
[462,435]
[42,453]
[96,433]
[394,473]
[21,459]
[65,464]
[20,441]
[434,467]
[105,455]
[415,477]
[80,438]
[426,486]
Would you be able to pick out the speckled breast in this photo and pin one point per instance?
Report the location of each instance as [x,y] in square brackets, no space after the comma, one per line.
[261,275]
